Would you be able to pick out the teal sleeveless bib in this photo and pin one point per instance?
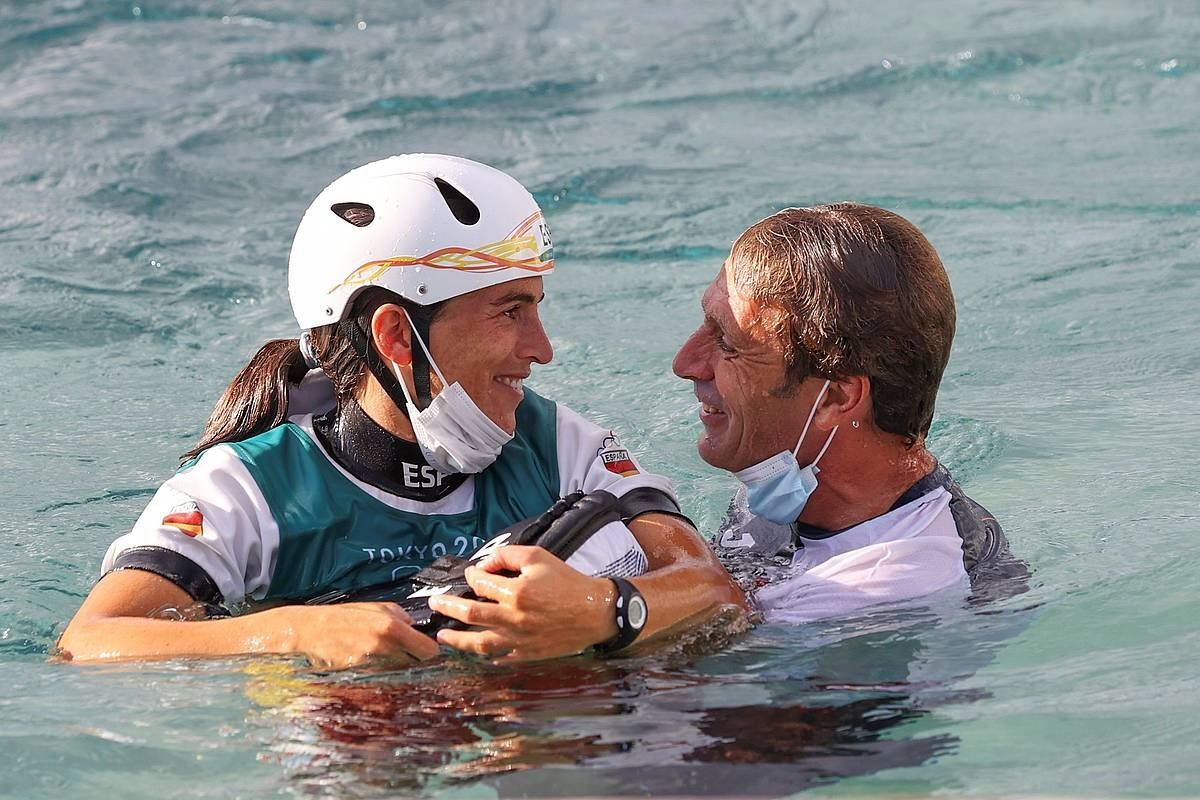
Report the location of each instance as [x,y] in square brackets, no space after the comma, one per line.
[334,536]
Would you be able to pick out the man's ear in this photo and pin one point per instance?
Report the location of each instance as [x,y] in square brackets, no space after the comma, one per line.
[392,334]
[847,399]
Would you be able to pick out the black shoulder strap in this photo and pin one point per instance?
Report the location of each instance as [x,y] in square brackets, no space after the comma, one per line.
[583,516]
[647,499]
[569,523]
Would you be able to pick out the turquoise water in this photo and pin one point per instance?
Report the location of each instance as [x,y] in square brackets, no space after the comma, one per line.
[155,158]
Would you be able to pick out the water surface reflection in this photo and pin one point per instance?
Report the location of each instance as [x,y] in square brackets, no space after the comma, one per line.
[765,718]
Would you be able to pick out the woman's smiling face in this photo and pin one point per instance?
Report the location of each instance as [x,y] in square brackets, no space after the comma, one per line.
[487,341]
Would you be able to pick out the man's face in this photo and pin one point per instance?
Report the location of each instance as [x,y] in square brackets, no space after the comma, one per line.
[738,368]
[487,340]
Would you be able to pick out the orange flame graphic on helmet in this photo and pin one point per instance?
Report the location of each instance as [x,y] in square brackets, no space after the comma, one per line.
[487,258]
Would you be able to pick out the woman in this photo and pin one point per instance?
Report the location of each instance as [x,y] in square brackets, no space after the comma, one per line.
[416,280]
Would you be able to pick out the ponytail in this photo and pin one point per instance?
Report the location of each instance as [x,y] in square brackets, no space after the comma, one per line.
[257,399]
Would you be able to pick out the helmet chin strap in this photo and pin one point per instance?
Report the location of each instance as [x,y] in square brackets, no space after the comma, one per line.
[420,322]
[380,367]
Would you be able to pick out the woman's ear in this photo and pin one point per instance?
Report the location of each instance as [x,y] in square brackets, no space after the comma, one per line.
[392,334]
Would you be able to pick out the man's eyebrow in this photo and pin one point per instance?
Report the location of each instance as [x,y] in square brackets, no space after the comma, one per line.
[726,324]
[518,297]
[711,316]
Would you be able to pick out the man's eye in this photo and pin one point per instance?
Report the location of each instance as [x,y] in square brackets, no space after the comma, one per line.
[511,313]
[724,346]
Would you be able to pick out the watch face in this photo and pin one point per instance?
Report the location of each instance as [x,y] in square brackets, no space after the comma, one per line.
[637,612]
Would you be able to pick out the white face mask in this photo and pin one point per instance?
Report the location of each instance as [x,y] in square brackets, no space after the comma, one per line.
[454,434]
[777,488]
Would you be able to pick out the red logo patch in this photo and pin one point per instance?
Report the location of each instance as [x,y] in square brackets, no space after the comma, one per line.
[618,461]
[185,518]
[615,458]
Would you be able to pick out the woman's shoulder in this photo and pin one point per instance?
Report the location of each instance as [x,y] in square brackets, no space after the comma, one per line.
[278,451]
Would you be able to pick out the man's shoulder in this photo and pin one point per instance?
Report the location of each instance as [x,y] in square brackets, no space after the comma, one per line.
[981,534]
[993,569]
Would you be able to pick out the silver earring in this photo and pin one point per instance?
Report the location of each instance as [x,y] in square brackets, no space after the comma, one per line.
[854,423]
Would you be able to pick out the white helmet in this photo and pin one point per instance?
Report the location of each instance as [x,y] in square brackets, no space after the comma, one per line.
[427,227]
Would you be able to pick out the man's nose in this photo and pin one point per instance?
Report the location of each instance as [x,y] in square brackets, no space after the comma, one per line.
[691,362]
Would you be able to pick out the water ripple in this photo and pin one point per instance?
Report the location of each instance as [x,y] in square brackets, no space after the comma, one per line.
[107,496]
[529,100]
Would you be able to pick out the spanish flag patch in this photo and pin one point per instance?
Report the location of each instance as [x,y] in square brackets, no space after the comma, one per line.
[616,458]
[186,518]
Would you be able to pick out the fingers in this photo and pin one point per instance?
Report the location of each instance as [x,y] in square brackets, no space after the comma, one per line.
[527,618]
[393,609]
[485,643]
[399,633]
[513,557]
[470,612]
[490,585]
[417,644]
[497,647]
[409,639]
[486,578]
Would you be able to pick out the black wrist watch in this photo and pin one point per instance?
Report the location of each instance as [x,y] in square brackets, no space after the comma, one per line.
[630,610]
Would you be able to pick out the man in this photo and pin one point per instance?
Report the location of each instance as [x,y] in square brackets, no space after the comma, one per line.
[825,336]
[417,281]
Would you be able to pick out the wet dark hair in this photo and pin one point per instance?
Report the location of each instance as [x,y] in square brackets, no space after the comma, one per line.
[257,398]
[861,292]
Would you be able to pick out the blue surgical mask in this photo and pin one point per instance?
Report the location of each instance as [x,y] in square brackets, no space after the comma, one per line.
[778,488]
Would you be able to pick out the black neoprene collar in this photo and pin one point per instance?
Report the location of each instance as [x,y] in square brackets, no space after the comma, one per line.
[375,456]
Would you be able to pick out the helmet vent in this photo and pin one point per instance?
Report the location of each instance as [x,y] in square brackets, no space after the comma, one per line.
[360,215]
[460,205]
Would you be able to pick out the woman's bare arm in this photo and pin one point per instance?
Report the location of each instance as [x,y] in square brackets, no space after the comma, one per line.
[133,614]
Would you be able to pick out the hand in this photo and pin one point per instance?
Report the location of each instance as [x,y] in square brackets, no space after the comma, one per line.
[349,634]
[541,609]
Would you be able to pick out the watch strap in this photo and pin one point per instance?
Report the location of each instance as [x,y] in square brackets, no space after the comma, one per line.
[631,613]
